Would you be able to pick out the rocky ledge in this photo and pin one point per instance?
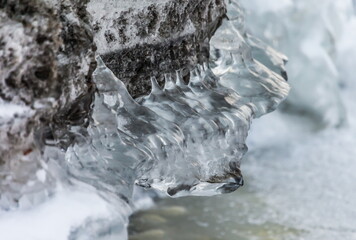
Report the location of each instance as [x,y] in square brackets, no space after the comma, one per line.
[138,39]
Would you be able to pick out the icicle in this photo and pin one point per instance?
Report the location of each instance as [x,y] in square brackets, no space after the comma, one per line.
[168,82]
[179,78]
[155,87]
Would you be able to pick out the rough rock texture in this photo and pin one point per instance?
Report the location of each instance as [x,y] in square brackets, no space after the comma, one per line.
[166,34]
[29,40]
[46,62]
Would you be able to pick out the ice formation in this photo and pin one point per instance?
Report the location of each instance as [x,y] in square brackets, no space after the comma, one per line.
[308,33]
[300,177]
[182,139]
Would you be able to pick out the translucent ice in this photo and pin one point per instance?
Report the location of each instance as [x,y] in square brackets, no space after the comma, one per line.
[308,32]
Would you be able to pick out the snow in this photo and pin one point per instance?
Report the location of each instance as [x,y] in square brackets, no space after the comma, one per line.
[8,110]
[55,218]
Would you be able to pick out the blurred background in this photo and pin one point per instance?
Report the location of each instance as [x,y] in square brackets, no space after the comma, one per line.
[300,180]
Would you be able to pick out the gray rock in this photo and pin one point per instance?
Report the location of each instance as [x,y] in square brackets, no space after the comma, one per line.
[166,35]
[47,59]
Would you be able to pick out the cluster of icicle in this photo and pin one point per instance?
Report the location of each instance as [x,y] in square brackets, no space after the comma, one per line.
[182,139]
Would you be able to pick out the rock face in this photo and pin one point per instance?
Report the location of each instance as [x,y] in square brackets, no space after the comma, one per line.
[166,34]
[47,50]
[29,40]
[47,59]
